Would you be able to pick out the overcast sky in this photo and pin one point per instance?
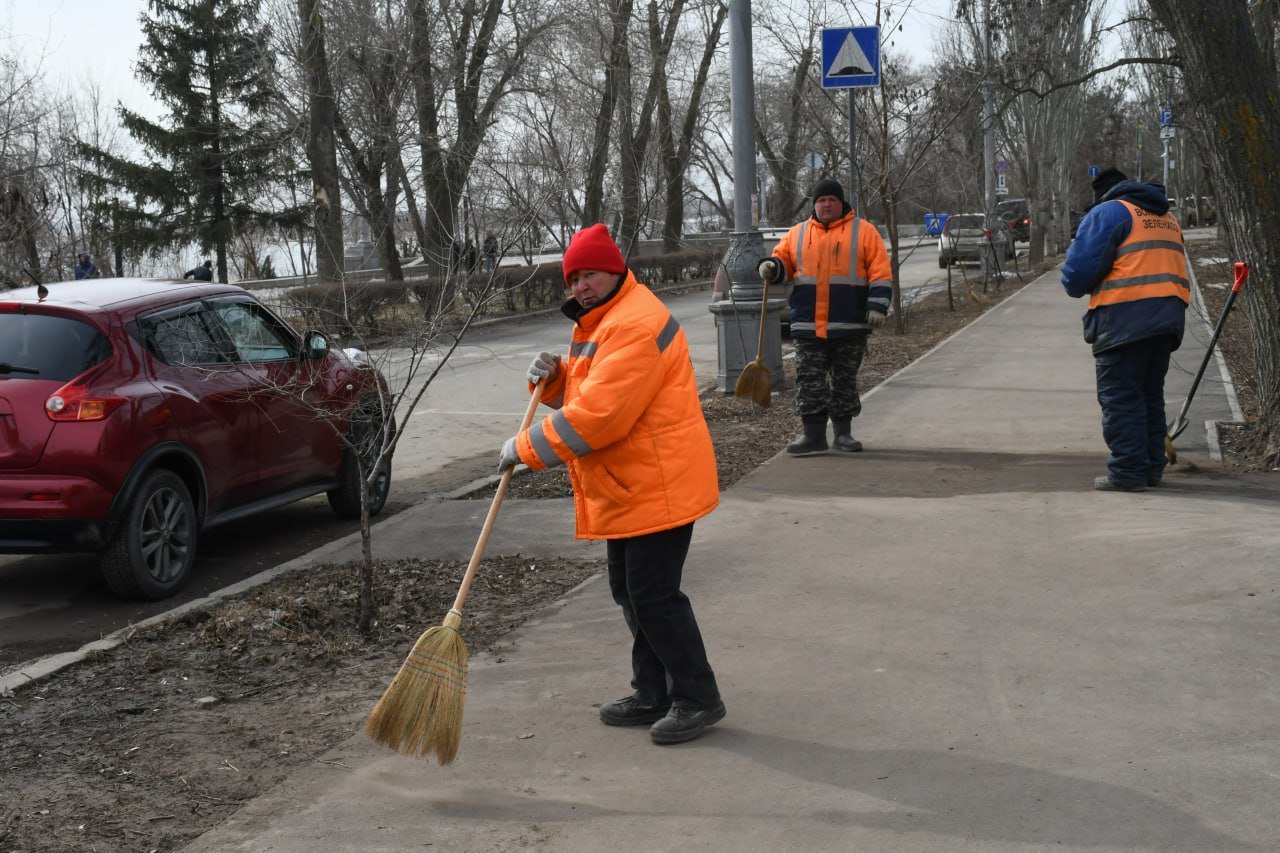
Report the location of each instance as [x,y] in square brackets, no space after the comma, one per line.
[79,40]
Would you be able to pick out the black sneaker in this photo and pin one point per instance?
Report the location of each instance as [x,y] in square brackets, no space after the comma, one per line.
[683,723]
[631,712]
[1106,484]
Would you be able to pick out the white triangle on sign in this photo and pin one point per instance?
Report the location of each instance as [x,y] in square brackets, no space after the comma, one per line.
[850,60]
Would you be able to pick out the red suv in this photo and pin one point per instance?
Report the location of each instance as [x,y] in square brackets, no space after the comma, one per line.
[136,413]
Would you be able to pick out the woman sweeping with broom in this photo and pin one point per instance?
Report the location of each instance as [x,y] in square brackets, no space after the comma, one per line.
[629,425]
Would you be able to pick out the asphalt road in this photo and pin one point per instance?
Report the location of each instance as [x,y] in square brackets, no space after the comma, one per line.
[51,604]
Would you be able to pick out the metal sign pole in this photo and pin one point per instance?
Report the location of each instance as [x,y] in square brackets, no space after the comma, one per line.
[854,198]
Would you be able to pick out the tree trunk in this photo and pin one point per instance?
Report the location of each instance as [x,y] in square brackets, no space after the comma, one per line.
[675,157]
[1232,87]
[593,206]
[322,152]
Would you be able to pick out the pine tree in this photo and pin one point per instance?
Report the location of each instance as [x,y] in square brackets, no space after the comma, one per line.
[208,162]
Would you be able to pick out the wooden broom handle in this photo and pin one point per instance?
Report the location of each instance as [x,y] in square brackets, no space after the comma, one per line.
[764,307]
[478,553]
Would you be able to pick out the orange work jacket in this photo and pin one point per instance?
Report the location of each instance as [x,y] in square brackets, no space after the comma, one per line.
[840,271]
[1151,262]
[629,422]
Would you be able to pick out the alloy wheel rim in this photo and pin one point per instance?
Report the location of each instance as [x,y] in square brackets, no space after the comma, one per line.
[164,536]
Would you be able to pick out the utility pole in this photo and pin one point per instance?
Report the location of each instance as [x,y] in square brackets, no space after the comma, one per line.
[988,130]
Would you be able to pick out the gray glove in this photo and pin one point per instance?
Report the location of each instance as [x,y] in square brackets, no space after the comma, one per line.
[875,319]
[771,270]
[508,457]
[544,366]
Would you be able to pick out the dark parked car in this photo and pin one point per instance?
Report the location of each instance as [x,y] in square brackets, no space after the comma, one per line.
[135,414]
[1017,216]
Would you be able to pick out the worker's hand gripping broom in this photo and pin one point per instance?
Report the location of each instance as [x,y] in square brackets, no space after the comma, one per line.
[755,381]
[421,710]
[1180,422]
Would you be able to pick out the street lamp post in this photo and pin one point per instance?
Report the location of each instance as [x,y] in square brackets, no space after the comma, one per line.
[738,318]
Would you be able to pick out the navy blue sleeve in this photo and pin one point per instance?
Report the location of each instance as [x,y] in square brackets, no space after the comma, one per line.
[1093,251]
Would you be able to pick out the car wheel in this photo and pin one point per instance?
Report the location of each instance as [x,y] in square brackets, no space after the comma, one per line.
[942,262]
[345,499]
[151,553]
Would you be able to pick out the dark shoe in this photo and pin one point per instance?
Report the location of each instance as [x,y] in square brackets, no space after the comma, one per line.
[814,439]
[844,435]
[1106,484]
[683,723]
[631,712]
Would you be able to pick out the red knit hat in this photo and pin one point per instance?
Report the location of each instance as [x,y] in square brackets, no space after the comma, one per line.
[593,249]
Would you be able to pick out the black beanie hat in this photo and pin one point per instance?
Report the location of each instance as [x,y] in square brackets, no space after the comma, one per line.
[1107,179]
[828,186]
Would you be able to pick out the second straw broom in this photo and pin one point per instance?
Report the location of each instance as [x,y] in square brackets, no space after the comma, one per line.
[421,711]
[755,381]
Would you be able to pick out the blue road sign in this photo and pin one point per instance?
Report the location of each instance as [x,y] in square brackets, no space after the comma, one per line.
[850,57]
[1166,118]
[1093,171]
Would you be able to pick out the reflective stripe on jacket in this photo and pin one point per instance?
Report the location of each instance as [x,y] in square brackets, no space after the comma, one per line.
[1149,263]
[840,271]
[630,424]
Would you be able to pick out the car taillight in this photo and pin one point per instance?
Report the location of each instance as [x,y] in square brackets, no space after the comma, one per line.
[75,402]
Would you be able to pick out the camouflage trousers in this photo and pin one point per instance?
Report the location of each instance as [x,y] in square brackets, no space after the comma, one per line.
[827,375]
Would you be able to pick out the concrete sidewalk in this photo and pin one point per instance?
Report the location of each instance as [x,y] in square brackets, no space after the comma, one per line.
[948,642]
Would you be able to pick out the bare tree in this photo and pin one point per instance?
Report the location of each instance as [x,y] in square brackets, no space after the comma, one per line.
[321,142]
[1229,72]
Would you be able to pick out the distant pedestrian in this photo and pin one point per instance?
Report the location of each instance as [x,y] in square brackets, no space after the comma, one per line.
[204,272]
[86,268]
[490,249]
[1128,258]
[629,425]
[841,283]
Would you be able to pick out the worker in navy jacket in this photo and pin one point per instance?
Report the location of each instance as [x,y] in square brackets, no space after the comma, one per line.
[1128,258]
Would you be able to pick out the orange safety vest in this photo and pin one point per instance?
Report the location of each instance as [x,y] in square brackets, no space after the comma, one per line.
[1150,263]
[629,422]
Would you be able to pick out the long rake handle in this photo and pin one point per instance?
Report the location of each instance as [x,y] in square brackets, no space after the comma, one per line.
[1241,276]
[489,519]
[764,307]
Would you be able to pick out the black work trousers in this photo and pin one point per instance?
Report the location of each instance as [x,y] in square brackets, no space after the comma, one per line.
[668,660]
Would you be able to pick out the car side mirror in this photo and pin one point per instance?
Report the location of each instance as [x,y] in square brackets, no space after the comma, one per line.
[315,345]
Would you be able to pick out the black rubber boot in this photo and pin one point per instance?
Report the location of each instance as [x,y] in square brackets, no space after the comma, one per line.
[843,428]
[814,439]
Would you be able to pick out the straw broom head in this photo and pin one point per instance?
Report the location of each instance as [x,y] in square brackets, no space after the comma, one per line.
[421,711]
[755,383]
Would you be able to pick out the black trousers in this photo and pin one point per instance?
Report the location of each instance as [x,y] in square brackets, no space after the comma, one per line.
[668,659]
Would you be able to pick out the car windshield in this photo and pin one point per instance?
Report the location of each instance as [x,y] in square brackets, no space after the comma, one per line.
[55,348]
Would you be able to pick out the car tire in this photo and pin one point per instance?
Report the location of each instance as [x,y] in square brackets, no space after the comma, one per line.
[151,552]
[345,499]
[942,262]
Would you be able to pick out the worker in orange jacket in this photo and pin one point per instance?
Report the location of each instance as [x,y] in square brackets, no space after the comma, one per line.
[841,288]
[629,425]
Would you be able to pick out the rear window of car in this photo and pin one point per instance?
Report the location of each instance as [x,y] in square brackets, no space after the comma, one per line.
[963,221]
[55,348]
